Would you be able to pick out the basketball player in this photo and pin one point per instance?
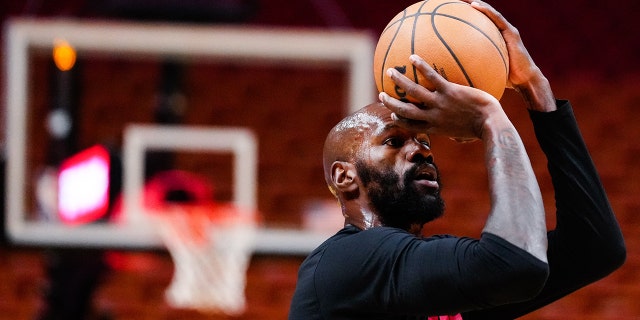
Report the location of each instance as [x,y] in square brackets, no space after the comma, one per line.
[380,165]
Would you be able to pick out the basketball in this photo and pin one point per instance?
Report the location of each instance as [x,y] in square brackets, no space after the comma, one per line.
[458,41]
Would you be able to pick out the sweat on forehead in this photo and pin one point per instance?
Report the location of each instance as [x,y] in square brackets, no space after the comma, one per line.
[366,118]
[359,121]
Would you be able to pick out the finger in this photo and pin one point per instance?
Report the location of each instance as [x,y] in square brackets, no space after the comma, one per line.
[415,125]
[402,109]
[411,88]
[434,81]
[494,15]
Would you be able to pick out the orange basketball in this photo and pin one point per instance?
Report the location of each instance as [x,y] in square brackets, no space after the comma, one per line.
[458,41]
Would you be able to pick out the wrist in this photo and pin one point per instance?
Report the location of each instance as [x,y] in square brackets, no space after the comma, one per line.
[494,121]
[536,92]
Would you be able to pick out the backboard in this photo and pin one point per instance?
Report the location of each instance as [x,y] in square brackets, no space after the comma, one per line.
[350,50]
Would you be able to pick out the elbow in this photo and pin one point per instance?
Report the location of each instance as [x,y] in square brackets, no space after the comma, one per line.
[600,258]
[618,251]
[621,256]
[530,281]
[518,285]
[513,274]
[607,253]
[612,249]
[611,257]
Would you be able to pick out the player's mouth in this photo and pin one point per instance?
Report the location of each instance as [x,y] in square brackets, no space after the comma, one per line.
[426,176]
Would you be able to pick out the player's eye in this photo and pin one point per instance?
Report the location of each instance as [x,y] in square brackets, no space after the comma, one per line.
[393,142]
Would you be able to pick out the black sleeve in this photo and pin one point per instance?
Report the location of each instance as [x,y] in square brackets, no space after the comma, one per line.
[587,243]
[400,274]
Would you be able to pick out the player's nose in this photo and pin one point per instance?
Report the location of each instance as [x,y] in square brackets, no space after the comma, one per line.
[419,152]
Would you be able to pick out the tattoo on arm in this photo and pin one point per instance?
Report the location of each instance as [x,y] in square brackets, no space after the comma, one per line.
[517,212]
[508,147]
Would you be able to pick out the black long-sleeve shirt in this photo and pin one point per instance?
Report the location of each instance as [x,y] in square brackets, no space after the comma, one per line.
[387,273]
[587,243]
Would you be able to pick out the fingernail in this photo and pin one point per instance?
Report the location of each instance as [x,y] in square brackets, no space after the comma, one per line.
[390,72]
[382,96]
[413,58]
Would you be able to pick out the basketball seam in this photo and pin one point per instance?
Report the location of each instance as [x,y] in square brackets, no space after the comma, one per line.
[413,36]
[433,14]
[386,54]
[504,62]
[453,55]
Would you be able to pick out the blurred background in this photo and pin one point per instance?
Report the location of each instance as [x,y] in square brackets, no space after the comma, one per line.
[588,49]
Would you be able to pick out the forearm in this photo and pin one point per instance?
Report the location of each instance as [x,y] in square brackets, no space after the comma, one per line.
[517,212]
[585,219]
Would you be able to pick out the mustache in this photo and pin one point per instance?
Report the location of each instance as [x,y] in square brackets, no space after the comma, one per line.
[422,169]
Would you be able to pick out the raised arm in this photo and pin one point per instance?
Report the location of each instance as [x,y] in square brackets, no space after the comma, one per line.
[464,113]
[586,243]
[583,209]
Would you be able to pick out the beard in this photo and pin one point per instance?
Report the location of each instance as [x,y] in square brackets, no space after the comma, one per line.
[398,202]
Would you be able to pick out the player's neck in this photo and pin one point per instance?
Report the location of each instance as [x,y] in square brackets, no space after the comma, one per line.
[360,216]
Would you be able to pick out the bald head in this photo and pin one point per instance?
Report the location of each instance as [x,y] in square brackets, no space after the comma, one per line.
[345,139]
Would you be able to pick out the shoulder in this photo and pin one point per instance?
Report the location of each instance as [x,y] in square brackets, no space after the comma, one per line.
[351,245]
[375,236]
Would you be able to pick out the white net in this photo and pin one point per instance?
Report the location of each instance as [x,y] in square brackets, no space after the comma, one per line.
[211,248]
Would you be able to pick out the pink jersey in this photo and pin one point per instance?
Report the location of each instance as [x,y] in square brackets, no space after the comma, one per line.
[454,317]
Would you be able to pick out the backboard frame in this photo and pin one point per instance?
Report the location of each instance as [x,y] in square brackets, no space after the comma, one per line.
[353,48]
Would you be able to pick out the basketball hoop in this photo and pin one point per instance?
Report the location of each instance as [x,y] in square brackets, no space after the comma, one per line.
[210,245]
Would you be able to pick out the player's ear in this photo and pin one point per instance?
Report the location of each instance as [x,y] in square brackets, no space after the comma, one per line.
[344,176]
